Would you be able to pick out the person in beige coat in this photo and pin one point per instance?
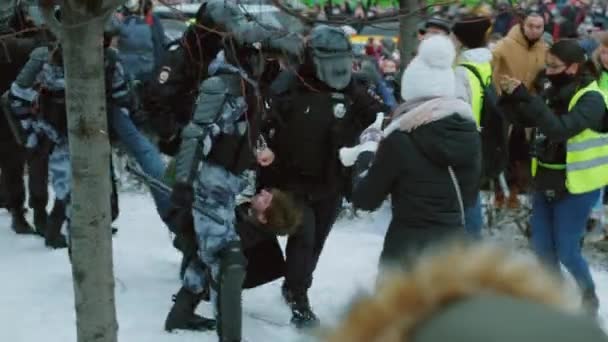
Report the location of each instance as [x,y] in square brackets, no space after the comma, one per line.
[521,55]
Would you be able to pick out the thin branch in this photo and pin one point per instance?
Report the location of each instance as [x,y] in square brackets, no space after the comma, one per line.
[375,20]
[18,33]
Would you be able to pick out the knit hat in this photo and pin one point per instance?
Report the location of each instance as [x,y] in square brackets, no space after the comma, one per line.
[568,51]
[430,73]
[472,31]
[439,23]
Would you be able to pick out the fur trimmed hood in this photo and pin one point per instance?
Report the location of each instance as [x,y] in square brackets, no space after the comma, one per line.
[406,306]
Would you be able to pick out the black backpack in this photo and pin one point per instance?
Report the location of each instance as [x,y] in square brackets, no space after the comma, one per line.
[494,129]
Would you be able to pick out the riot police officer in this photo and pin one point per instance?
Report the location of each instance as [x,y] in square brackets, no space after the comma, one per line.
[169,97]
[312,116]
[221,142]
[12,59]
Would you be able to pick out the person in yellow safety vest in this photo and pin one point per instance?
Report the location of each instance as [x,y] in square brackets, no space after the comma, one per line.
[471,40]
[570,156]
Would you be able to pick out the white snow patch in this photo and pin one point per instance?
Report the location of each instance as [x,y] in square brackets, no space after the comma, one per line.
[36,295]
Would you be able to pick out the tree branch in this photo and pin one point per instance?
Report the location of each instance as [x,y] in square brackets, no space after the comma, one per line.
[375,20]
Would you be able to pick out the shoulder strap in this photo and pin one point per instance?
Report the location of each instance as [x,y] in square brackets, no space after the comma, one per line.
[475,72]
[458,193]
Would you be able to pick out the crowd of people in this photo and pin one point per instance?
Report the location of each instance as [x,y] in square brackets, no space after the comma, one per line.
[270,131]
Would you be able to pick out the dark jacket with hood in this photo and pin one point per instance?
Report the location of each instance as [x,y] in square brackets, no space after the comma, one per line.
[411,165]
[549,113]
[308,124]
[265,261]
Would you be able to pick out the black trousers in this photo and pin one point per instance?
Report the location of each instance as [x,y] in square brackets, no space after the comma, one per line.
[304,248]
[13,159]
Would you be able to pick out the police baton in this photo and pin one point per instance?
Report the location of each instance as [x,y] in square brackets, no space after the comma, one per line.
[165,189]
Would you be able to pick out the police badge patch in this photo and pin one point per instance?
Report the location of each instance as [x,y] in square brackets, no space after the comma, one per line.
[339,110]
[164,75]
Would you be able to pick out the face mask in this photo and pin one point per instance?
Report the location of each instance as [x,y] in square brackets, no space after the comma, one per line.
[561,79]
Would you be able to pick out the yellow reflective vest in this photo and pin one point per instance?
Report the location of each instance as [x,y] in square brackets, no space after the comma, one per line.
[586,154]
[485,71]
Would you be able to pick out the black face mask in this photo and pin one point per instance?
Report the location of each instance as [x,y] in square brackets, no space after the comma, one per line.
[561,79]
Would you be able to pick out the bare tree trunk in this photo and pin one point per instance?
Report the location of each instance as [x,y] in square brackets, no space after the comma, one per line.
[81,33]
[408,40]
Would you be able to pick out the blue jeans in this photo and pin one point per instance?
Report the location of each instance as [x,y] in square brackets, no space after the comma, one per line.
[557,229]
[145,153]
[473,219]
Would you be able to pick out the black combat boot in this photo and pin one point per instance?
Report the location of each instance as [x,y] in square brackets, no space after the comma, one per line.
[302,315]
[19,224]
[53,237]
[182,314]
[40,220]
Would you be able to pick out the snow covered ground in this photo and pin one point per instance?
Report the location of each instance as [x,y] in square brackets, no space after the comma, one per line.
[36,296]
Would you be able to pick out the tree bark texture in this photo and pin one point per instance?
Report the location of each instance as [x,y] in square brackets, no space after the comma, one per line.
[408,39]
[91,238]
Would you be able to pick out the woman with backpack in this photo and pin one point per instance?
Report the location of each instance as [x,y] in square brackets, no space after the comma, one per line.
[570,156]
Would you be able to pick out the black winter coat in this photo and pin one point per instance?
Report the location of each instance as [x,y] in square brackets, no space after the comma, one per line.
[549,113]
[413,169]
[306,133]
[265,261]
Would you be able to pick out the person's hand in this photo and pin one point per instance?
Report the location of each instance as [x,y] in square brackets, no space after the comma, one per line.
[368,142]
[373,133]
[182,195]
[508,84]
[265,157]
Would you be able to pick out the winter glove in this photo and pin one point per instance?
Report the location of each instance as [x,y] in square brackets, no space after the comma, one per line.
[170,146]
[373,133]
[368,141]
[180,213]
[182,195]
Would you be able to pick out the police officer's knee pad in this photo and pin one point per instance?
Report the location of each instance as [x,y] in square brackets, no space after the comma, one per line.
[232,266]
[230,283]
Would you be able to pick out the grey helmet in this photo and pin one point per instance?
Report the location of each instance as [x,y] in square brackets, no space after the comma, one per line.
[332,55]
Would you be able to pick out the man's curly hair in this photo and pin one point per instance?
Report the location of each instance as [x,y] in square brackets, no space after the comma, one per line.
[283,216]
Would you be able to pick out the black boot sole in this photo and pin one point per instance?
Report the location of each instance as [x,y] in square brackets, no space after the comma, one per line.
[57,243]
[207,325]
[23,230]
